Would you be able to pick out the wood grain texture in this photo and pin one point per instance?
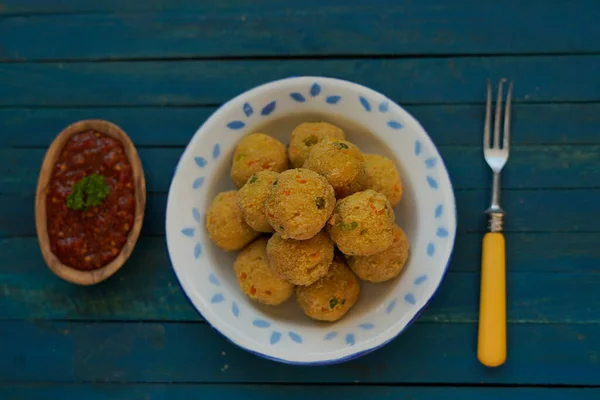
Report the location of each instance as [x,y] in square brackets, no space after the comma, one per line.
[539,124]
[529,211]
[282,29]
[70,273]
[544,272]
[191,352]
[405,80]
[153,391]
[540,167]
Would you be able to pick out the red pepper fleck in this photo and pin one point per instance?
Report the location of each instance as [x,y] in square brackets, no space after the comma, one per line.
[302,181]
[243,275]
[252,290]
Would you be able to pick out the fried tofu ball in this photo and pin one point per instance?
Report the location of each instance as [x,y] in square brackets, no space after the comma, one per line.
[251,200]
[330,298]
[341,163]
[257,152]
[382,266]
[225,223]
[362,224]
[383,177]
[305,136]
[300,262]
[299,204]
[256,278]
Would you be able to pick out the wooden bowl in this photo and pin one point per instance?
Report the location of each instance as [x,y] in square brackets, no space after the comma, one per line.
[67,273]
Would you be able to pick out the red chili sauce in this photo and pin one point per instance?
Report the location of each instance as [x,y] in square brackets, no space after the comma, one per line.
[91,238]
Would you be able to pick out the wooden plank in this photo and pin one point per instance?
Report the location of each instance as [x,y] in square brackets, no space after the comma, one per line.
[541,282]
[281,29]
[194,353]
[406,80]
[539,167]
[153,391]
[529,210]
[446,124]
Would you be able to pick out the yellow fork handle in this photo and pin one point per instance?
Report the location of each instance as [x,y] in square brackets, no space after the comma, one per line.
[491,349]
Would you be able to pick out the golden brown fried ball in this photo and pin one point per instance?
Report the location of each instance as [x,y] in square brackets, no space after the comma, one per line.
[362,224]
[225,224]
[256,278]
[341,163]
[383,177]
[305,136]
[330,298]
[299,204]
[382,266]
[300,262]
[257,152]
[251,199]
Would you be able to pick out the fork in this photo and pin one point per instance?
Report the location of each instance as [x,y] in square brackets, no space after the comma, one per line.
[491,349]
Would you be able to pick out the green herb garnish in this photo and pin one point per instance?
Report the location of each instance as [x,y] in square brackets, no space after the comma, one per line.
[341,145]
[349,226]
[343,301]
[88,192]
[311,140]
[253,179]
[275,182]
[320,202]
[333,302]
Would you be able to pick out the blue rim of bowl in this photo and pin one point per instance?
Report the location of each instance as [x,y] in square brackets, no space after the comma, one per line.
[358,353]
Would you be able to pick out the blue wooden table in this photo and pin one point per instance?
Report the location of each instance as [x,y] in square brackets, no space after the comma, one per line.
[159,68]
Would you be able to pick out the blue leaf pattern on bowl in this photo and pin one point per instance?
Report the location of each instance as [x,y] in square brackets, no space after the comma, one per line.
[236,125]
[410,298]
[235,310]
[217,298]
[269,108]
[261,323]
[442,232]
[295,337]
[430,162]
[200,161]
[275,337]
[198,182]
[298,97]
[390,306]
[417,148]
[430,249]
[248,109]
[350,339]
[189,232]
[196,214]
[315,89]
[395,124]
[333,99]
[432,182]
[439,210]
[367,326]
[330,336]
[383,107]
[365,103]
[197,250]
[420,279]
[216,151]
[214,280]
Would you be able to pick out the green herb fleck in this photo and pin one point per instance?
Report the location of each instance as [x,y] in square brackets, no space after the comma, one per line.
[349,226]
[343,301]
[341,145]
[320,202]
[275,182]
[253,179]
[333,302]
[88,192]
[311,140]
[362,232]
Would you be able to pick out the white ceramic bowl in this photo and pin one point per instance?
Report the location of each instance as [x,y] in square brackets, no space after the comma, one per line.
[376,124]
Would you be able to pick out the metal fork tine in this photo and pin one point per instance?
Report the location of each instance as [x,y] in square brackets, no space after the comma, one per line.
[506,143]
[488,117]
[498,115]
